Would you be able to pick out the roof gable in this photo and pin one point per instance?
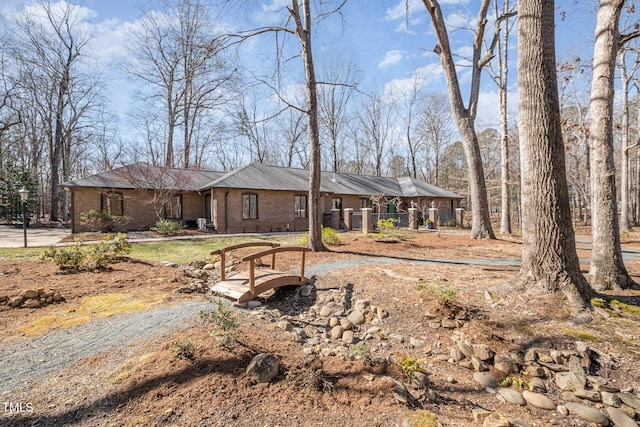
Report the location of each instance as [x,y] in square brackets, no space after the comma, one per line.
[146,176]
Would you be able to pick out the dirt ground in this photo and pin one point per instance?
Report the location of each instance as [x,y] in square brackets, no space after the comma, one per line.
[147,383]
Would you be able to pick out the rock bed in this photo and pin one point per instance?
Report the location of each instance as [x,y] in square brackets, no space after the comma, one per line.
[566,382]
[32,298]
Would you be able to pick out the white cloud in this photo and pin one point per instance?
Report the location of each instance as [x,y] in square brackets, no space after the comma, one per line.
[390,58]
[427,76]
[272,12]
[403,9]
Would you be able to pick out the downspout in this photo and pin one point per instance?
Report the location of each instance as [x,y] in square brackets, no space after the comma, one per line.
[226,211]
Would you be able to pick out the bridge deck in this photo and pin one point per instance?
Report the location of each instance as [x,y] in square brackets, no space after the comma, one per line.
[246,285]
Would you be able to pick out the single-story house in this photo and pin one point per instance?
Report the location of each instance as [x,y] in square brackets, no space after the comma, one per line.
[252,198]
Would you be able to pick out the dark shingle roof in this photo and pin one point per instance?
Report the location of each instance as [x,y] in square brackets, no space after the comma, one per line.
[256,176]
[146,176]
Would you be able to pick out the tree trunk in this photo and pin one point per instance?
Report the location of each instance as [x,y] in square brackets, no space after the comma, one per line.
[465,117]
[503,56]
[549,259]
[607,268]
[303,31]
[625,224]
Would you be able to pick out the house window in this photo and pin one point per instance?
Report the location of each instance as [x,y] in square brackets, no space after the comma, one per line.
[366,202]
[249,206]
[336,203]
[300,207]
[173,208]
[112,203]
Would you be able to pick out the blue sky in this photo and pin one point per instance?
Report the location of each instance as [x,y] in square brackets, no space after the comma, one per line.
[387,45]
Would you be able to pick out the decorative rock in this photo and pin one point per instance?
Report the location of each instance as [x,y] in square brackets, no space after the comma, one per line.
[591,395]
[587,413]
[606,388]
[356,317]
[381,313]
[434,325]
[263,368]
[465,349]
[347,337]
[373,330]
[485,379]
[362,304]
[449,323]
[455,353]
[496,420]
[620,419]
[569,381]
[417,342]
[336,332]
[630,399]
[466,364]
[505,364]
[285,325]
[610,399]
[535,371]
[512,396]
[562,410]
[333,321]
[555,367]
[518,423]
[557,357]
[31,303]
[420,379]
[538,385]
[478,365]
[346,324]
[15,301]
[482,352]
[29,293]
[326,311]
[306,291]
[480,414]
[530,356]
[209,266]
[253,304]
[538,400]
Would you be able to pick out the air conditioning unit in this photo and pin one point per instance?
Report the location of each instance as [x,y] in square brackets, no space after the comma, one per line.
[202,223]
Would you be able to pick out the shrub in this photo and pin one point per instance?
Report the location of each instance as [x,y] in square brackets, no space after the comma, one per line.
[386,225]
[168,227]
[410,365]
[184,349]
[330,237]
[226,323]
[441,291]
[90,257]
[97,220]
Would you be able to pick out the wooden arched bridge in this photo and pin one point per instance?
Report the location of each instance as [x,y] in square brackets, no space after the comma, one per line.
[247,284]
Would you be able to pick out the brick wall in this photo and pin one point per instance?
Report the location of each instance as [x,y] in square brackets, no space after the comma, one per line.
[137,206]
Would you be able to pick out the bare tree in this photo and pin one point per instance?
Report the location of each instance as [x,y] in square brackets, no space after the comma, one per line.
[50,49]
[436,125]
[501,77]
[334,98]
[549,259]
[607,267]
[627,71]
[376,120]
[300,24]
[465,115]
[176,55]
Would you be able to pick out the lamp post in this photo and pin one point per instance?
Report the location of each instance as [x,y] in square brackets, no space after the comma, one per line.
[24,195]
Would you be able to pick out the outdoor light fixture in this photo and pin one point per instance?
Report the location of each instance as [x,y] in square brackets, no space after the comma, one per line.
[24,195]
